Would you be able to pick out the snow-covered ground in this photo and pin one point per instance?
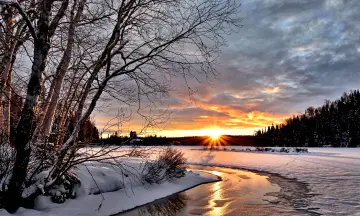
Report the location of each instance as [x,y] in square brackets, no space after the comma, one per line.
[122,190]
[333,174]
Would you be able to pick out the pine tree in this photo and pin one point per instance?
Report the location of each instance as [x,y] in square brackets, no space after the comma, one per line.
[335,123]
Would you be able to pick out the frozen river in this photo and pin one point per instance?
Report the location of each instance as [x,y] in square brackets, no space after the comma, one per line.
[238,193]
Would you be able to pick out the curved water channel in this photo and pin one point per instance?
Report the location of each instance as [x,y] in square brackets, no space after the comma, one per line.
[238,193]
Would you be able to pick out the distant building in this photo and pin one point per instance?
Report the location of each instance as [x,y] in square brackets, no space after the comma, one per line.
[133,135]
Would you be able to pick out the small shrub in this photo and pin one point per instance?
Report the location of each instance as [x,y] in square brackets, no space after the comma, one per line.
[170,164]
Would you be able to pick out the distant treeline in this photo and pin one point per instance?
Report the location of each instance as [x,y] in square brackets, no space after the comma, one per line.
[224,140]
[334,124]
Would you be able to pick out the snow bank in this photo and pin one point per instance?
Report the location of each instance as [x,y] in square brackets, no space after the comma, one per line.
[270,150]
[124,190]
[332,174]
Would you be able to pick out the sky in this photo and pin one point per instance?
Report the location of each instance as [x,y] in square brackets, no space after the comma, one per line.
[289,55]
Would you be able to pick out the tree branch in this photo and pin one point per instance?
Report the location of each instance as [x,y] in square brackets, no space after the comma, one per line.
[27,20]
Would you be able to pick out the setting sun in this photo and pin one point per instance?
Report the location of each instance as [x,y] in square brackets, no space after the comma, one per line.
[213,133]
[215,136]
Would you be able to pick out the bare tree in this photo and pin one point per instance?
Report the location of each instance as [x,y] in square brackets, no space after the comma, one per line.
[45,29]
[128,46]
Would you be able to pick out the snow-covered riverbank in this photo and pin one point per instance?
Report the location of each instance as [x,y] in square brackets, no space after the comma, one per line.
[120,191]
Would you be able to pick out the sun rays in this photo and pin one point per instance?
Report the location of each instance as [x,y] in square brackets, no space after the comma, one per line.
[211,138]
[215,138]
[215,141]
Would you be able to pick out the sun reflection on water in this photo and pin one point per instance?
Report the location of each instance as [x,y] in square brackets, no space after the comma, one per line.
[217,197]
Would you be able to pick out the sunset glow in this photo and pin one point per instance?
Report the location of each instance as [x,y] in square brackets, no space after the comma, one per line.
[234,123]
[257,88]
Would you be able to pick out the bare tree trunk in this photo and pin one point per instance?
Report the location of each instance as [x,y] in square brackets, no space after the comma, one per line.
[64,118]
[70,142]
[3,84]
[5,63]
[26,124]
[44,107]
[62,68]
[25,128]
[7,107]
[8,91]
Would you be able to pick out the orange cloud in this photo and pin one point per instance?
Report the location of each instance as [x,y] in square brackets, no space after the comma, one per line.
[271,90]
[201,118]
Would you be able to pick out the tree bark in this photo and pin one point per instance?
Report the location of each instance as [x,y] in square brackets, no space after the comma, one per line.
[44,106]
[26,125]
[5,62]
[7,107]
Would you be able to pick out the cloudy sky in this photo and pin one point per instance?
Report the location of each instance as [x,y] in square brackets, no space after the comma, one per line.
[289,55]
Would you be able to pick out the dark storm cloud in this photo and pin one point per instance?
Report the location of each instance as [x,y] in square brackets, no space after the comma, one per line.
[308,49]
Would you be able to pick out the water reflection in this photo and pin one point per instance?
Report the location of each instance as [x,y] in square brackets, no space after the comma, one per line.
[239,193]
[169,206]
[238,188]
[217,209]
